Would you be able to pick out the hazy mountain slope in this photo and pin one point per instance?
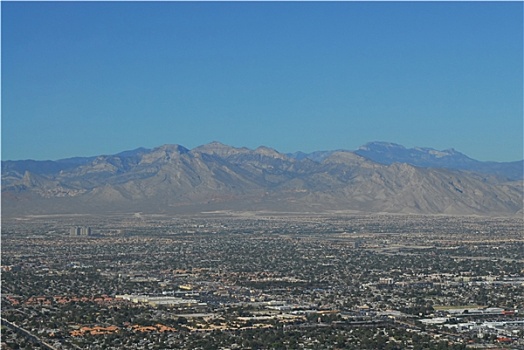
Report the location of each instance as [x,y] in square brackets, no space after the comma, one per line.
[350,182]
[172,178]
[389,153]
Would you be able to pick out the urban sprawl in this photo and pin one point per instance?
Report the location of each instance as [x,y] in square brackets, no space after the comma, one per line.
[226,280]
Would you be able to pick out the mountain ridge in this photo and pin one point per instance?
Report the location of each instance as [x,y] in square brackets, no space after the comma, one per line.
[388,153]
[172,178]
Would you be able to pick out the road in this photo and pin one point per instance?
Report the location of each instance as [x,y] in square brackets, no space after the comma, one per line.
[24,332]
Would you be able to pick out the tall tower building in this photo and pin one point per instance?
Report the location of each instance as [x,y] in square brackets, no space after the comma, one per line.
[75,231]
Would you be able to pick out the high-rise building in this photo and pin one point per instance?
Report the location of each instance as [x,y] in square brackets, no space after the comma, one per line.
[80,231]
[75,231]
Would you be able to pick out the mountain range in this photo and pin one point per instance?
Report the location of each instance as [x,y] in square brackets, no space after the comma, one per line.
[379,177]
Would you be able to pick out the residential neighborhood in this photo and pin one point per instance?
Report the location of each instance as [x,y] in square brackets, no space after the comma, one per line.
[264,282]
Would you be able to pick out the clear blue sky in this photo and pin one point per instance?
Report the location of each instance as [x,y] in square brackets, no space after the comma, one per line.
[90,78]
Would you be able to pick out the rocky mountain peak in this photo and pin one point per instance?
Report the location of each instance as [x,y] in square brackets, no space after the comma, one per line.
[269,152]
[381,146]
[169,148]
[219,149]
[164,153]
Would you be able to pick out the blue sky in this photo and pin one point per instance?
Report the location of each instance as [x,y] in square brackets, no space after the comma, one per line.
[90,78]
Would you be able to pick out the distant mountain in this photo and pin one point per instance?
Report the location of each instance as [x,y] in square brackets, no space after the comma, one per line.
[174,179]
[44,166]
[317,156]
[50,167]
[389,153]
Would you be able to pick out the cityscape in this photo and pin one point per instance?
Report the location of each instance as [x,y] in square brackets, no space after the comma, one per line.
[246,280]
[262,175]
